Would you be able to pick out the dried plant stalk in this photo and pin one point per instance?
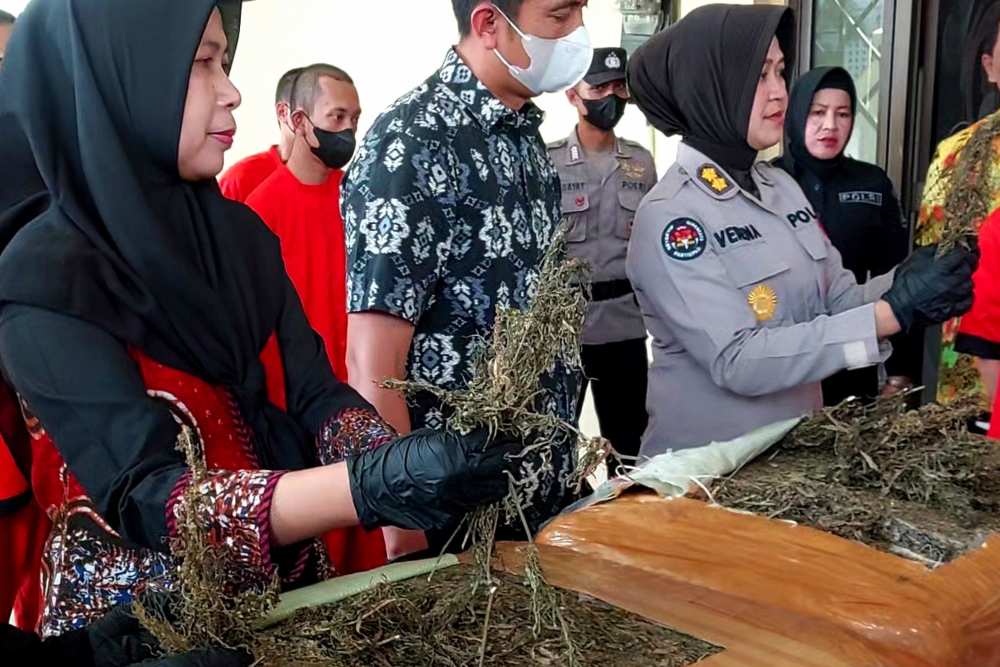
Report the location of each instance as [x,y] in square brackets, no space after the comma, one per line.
[967,185]
[503,396]
[213,607]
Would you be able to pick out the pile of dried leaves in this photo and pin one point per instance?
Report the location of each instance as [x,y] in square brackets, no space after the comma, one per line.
[913,482]
[437,621]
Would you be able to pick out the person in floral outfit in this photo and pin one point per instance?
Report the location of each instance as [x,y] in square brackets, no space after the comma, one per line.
[978,332]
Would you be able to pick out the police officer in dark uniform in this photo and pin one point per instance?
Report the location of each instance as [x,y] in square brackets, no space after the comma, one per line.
[858,208]
[604,177]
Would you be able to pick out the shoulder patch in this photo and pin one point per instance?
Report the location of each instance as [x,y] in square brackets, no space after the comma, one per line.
[710,175]
[684,239]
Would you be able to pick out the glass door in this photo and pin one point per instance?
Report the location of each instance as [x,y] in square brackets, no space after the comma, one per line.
[849,34]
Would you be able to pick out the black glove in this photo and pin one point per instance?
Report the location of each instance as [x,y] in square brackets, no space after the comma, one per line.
[929,290]
[117,640]
[425,479]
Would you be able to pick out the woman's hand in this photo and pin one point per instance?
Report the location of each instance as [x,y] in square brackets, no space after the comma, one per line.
[425,479]
[929,290]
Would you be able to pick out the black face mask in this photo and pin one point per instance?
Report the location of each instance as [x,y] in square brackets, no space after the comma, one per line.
[335,148]
[605,113]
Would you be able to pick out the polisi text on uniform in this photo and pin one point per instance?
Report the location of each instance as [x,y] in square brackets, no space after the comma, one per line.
[801,217]
[733,235]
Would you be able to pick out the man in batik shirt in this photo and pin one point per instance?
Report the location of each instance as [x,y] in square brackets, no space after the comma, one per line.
[449,208]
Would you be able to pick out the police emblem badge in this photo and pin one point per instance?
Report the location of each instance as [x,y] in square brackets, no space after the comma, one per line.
[763,302]
[684,239]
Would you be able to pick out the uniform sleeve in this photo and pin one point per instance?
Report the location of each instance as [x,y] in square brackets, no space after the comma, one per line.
[120,443]
[399,212]
[843,292]
[708,315]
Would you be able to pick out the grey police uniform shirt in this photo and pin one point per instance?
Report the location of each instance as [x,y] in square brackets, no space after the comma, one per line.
[702,251]
[600,195]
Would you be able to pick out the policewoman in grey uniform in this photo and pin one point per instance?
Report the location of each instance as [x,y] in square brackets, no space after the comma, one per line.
[604,177]
[748,302]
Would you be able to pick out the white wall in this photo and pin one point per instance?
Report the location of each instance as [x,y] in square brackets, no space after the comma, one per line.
[388,47]
[14,7]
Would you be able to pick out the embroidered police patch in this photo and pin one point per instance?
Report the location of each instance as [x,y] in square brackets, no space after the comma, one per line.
[684,239]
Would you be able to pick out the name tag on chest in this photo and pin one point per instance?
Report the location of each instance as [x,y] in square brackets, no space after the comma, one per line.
[730,236]
[861,197]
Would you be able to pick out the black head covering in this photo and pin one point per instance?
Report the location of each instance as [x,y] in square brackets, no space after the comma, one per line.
[797,156]
[699,77]
[97,88]
[979,95]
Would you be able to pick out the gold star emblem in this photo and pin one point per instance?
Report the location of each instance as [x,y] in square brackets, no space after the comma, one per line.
[763,302]
[713,179]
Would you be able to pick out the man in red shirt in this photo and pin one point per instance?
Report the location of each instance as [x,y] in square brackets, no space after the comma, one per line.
[300,201]
[242,178]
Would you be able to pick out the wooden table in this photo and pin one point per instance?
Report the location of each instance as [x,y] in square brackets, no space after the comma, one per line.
[774,594]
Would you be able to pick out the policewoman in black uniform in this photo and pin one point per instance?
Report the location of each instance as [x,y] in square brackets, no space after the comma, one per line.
[747,301]
[857,206]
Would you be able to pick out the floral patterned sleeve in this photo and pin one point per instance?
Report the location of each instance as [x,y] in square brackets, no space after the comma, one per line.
[398,209]
[235,513]
[350,432]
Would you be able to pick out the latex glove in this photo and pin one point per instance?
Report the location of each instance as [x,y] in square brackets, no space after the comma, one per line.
[427,478]
[117,640]
[928,290]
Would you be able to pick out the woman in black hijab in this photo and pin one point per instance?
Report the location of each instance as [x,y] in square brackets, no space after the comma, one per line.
[858,206]
[748,302]
[135,299]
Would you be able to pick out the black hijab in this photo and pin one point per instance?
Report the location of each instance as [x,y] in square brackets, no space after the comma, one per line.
[797,157]
[97,88]
[978,93]
[699,77]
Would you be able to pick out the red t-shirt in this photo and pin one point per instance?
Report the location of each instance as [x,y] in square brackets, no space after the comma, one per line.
[306,218]
[240,180]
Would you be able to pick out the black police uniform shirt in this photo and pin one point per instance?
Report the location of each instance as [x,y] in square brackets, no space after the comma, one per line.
[859,211]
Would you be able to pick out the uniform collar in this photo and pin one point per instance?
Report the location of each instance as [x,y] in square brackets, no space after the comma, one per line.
[577,155]
[762,169]
[705,173]
[486,108]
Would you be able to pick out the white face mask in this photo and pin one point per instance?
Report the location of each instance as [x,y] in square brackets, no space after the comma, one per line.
[556,64]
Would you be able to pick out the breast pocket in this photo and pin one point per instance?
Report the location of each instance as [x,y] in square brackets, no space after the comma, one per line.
[628,204]
[576,212]
[813,239]
[758,274]
[752,264]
